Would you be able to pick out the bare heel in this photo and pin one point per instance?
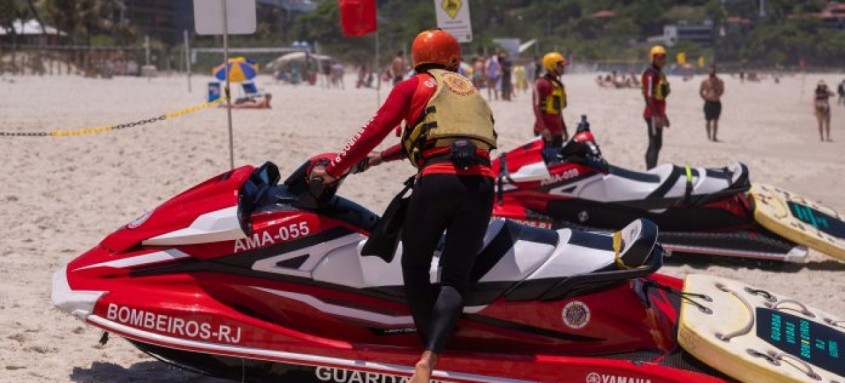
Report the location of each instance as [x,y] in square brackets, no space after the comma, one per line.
[424,368]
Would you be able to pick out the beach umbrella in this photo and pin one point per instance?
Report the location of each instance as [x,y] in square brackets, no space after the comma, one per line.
[289,58]
[240,70]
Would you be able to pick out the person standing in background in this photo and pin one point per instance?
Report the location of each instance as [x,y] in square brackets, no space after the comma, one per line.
[397,67]
[538,68]
[548,102]
[507,80]
[519,73]
[655,88]
[822,109]
[711,91]
[478,77]
[494,71]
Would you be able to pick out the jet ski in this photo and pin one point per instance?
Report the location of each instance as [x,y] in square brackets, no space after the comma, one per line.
[713,211]
[247,278]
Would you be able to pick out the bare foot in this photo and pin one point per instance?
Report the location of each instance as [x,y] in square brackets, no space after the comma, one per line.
[422,373]
[423,368]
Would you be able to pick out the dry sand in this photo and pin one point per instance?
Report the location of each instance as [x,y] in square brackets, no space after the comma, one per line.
[60,196]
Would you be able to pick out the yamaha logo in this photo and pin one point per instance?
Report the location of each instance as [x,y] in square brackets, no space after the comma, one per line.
[594,377]
[576,314]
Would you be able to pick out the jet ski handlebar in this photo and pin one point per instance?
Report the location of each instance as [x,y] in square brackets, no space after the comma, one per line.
[316,191]
[582,148]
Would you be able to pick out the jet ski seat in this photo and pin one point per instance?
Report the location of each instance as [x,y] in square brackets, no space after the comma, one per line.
[510,253]
[649,177]
[667,185]
[630,253]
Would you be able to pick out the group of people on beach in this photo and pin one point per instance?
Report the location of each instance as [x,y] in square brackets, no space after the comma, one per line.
[501,76]
[618,81]
[655,89]
[550,100]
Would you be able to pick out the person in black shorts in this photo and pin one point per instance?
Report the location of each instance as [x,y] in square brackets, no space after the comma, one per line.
[711,91]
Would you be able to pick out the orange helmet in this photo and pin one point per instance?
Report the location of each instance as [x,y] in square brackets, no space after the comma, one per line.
[435,46]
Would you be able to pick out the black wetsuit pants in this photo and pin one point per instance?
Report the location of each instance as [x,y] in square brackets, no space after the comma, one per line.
[655,141]
[461,206]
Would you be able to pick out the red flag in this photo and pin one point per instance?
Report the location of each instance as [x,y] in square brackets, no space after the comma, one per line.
[357,17]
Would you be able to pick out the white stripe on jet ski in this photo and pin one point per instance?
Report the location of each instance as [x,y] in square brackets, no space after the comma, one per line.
[214,226]
[158,256]
[284,357]
[341,310]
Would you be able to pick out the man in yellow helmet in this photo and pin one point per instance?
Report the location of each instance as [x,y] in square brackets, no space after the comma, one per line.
[655,90]
[549,100]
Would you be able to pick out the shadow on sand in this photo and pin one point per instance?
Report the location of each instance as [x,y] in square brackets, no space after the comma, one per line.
[141,372]
[698,261]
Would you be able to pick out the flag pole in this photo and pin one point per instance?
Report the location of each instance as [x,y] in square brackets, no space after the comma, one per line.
[377,69]
[226,92]
[187,58]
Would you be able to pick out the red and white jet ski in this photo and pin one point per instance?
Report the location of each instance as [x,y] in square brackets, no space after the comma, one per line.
[699,210]
[245,278]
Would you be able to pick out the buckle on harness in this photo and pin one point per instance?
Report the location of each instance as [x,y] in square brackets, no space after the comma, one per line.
[463,153]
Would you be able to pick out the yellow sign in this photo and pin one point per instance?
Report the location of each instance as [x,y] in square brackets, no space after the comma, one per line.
[681,58]
[451,7]
[701,61]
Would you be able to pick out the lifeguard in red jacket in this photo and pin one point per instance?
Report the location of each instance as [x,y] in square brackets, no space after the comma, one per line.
[655,91]
[448,136]
[549,100]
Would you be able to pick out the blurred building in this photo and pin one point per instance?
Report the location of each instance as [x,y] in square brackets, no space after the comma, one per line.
[30,33]
[166,20]
[833,15]
[698,33]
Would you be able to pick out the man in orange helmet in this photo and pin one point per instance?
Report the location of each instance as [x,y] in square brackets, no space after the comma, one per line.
[448,136]
[549,100]
[655,90]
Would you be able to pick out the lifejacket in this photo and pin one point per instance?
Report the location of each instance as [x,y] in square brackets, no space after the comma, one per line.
[556,100]
[456,110]
[661,89]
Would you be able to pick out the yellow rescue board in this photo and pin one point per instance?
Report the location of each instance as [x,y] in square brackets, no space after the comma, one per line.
[800,220]
[755,336]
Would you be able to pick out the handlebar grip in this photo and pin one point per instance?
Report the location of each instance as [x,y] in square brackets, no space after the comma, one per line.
[316,186]
[361,166]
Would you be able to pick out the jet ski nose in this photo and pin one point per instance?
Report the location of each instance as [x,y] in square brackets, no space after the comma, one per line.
[78,303]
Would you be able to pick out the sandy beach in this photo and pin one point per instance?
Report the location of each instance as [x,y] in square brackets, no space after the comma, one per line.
[60,196]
